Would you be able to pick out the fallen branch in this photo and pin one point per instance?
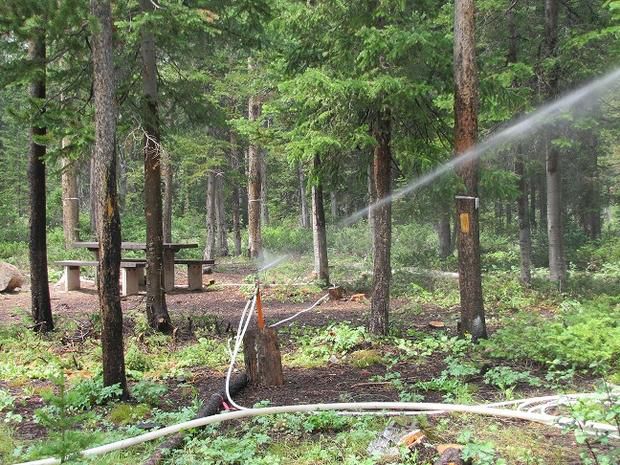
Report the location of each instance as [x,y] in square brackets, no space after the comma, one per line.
[372,383]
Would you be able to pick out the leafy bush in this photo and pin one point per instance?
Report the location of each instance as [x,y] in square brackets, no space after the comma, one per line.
[585,335]
[6,400]
[89,393]
[208,352]
[287,239]
[506,379]
[136,360]
[148,392]
[335,340]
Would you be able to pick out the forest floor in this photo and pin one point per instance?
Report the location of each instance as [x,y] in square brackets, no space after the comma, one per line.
[327,358]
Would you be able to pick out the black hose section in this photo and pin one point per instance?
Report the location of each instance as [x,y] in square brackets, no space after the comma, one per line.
[212,407]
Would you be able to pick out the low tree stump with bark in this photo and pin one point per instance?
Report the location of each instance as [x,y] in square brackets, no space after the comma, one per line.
[263,362]
[336,293]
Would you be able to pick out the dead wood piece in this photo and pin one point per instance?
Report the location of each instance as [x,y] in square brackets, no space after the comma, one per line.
[451,456]
[372,383]
[212,407]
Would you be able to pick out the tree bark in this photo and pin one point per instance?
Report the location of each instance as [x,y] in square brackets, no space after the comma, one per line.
[254,184]
[319,234]
[525,244]
[94,215]
[70,199]
[236,193]
[210,243]
[109,220]
[444,234]
[333,205]
[590,206]
[167,178]
[304,220]
[372,198]
[532,211]
[466,129]
[220,216]
[39,288]
[122,178]
[156,309]
[542,200]
[557,265]
[264,208]
[382,225]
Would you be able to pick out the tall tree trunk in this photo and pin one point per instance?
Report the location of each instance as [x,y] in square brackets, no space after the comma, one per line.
[466,129]
[525,244]
[508,213]
[93,201]
[39,288]
[70,199]
[372,198]
[590,206]
[532,212]
[167,178]
[156,309]
[122,178]
[254,183]
[210,244]
[444,234]
[333,205]
[109,220]
[542,201]
[382,225]
[319,234]
[304,220]
[236,193]
[264,209]
[220,215]
[557,266]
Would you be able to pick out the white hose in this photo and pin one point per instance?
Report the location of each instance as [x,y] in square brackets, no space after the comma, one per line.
[318,302]
[239,341]
[349,406]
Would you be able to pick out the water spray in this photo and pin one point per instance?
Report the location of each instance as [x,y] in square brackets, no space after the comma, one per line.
[513,132]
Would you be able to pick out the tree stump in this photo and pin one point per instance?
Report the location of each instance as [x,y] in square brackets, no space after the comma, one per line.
[261,353]
[336,293]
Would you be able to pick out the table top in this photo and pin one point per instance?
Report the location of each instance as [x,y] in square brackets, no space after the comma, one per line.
[135,245]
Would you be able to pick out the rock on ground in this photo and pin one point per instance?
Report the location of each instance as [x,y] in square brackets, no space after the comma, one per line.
[10,277]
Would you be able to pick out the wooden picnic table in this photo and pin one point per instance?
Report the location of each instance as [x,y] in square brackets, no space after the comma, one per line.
[170,248]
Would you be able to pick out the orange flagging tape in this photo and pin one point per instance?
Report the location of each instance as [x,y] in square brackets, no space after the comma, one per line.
[259,311]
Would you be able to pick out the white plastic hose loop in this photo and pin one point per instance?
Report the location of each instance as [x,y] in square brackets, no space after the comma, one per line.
[338,407]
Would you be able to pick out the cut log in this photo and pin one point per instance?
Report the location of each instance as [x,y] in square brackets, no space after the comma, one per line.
[10,277]
[263,362]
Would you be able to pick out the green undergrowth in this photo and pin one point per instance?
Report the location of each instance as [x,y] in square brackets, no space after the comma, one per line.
[582,335]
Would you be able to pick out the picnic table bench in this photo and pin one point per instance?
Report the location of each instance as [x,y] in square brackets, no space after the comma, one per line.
[194,270]
[169,250]
[132,273]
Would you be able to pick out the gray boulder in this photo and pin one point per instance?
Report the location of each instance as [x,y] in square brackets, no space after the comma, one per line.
[10,277]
